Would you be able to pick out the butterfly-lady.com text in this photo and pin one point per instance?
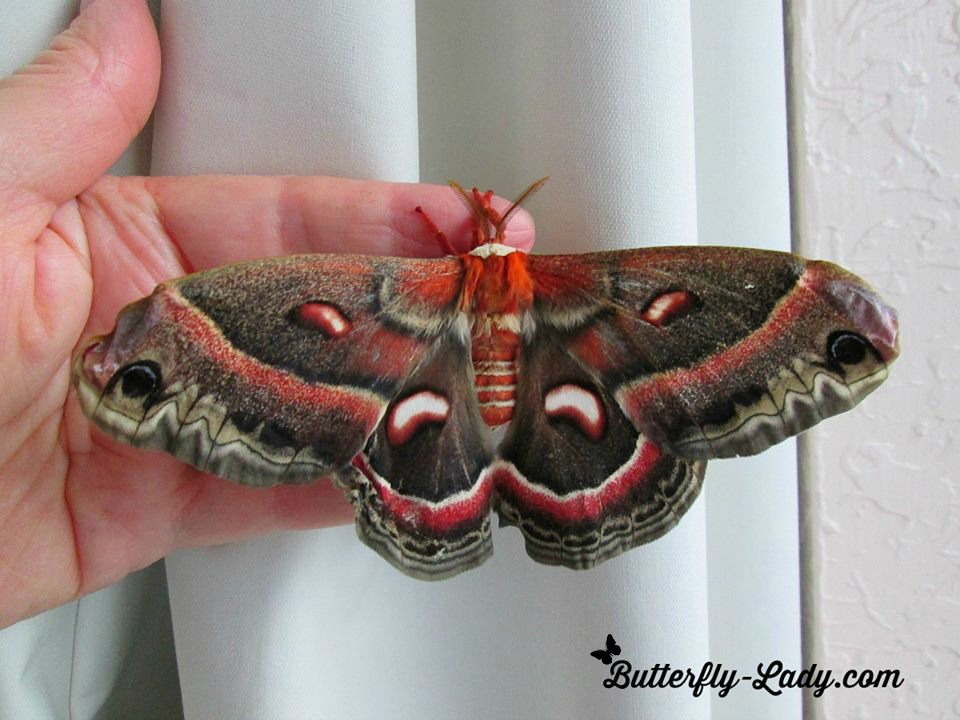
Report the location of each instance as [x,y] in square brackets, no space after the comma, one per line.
[772,677]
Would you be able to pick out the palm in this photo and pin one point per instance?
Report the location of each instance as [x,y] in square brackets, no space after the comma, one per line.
[89,510]
[77,510]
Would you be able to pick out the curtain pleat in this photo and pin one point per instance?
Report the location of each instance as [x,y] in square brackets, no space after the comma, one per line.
[743,198]
[630,108]
[351,635]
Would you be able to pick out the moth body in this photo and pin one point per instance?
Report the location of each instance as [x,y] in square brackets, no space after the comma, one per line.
[497,295]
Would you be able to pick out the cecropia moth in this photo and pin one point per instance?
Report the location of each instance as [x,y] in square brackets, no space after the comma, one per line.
[620,374]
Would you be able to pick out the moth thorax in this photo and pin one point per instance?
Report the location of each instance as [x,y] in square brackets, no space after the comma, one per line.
[488,249]
[495,352]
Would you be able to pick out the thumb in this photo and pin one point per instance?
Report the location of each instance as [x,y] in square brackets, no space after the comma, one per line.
[66,117]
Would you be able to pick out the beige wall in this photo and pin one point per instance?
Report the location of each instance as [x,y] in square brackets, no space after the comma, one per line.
[876,113]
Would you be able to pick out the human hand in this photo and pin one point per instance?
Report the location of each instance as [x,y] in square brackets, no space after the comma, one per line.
[79,511]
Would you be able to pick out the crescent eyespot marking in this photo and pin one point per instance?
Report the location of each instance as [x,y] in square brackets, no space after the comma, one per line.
[323,317]
[666,308]
[411,413]
[579,405]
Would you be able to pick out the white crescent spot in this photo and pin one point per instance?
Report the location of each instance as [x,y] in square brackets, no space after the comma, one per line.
[581,406]
[408,415]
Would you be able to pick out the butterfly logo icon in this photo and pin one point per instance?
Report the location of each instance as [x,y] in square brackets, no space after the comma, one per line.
[606,656]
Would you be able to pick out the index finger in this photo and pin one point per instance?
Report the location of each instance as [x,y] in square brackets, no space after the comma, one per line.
[216,220]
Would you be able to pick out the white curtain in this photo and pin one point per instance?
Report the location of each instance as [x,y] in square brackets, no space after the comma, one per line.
[651,117]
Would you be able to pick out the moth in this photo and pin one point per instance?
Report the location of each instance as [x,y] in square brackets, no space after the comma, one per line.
[617,375]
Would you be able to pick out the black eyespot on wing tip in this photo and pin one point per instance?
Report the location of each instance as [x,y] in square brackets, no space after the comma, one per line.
[847,348]
[141,379]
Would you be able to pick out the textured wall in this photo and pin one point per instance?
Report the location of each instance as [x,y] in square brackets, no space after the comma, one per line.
[876,88]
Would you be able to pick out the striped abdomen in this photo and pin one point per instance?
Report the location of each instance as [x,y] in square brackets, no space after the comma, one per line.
[496,350]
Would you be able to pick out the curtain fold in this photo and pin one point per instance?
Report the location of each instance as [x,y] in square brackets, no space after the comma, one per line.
[743,198]
[353,637]
[630,108]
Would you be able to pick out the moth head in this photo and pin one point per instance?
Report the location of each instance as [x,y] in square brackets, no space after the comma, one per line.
[121,375]
[490,225]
